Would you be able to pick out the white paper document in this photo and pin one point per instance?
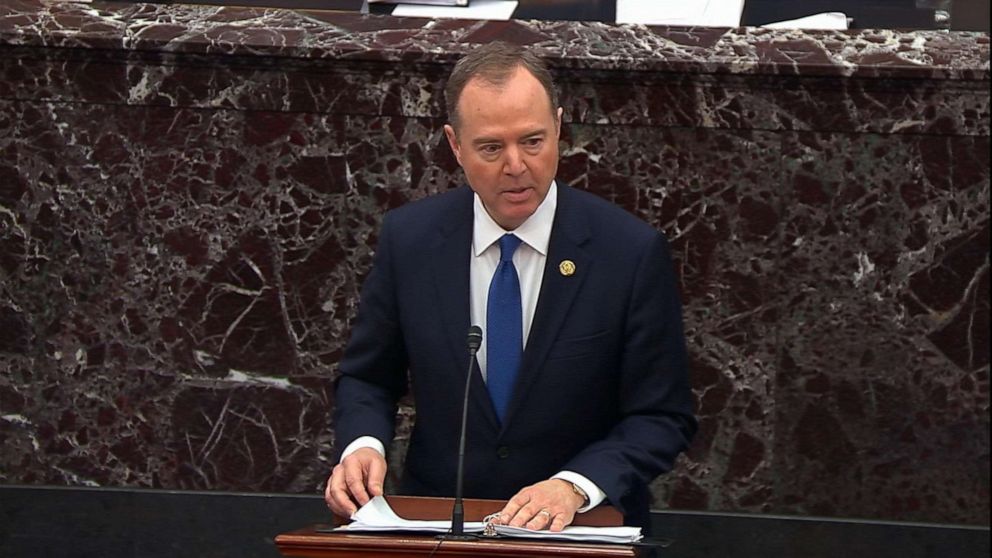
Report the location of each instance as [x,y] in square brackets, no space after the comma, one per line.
[826,20]
[433,2]
[706,13]
[477,9]
[619,535]
[377,516]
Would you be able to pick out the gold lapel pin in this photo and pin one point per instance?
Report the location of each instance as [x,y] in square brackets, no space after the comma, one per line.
[566,267]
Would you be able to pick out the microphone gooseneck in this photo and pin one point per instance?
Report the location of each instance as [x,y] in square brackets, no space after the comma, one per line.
[458,511]
[474,339]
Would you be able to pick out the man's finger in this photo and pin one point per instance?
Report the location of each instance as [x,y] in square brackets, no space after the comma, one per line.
[354,480]
[511,508]
[336,494]
[327,490]
[541,520]
[559,523]
[528,514]
[342,504]
[376,476]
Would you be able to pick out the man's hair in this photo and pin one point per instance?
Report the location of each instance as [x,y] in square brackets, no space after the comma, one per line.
[495,62]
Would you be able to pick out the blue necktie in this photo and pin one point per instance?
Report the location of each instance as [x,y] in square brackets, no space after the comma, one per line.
[504,327]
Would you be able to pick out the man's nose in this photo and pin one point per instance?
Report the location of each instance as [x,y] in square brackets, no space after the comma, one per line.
[513,162]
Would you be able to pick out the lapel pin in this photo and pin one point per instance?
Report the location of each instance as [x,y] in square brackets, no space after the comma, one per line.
[566,267]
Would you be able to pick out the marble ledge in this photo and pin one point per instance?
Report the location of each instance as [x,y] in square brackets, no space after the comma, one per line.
[211,30]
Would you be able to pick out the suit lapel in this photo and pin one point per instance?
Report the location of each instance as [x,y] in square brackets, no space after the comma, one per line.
[452,258]
[568,235]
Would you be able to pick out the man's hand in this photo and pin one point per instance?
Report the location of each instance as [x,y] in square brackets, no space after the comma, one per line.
[549,504]
[354,481]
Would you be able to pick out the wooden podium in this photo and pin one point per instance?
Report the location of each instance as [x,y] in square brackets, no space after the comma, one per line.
[313,543]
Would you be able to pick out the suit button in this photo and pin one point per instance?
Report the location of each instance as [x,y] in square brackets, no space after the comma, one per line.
[503,452]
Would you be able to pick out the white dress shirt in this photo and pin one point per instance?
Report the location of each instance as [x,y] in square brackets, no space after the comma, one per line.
[529,260]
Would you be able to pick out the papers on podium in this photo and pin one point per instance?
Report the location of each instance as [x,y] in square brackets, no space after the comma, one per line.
[431,2]
[708,13]
[617,535]
[826,20]
[377,516]
[478,9]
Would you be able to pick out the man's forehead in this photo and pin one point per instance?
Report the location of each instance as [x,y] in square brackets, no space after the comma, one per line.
[483,121]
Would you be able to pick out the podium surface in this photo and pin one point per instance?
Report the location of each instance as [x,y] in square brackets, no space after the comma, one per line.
[309,543]
[318,542]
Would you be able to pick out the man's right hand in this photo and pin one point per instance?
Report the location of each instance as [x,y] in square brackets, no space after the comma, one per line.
[354,481]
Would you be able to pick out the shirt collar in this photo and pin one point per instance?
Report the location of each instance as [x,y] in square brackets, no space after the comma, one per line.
[535,231]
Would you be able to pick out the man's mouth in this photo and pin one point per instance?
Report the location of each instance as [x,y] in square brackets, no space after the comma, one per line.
[517,193]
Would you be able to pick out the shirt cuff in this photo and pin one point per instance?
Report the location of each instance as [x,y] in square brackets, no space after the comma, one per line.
[363,442]
[596,496]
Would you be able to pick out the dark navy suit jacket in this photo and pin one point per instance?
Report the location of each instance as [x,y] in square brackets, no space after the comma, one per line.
[602,390]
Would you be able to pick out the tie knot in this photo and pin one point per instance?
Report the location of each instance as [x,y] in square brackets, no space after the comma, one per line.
[508,244]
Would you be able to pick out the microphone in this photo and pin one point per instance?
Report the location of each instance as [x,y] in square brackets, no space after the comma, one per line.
[458,511]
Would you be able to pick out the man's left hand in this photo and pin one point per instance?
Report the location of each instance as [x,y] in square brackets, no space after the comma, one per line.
[549,504]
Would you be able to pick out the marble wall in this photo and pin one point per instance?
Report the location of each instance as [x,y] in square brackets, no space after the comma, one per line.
[189,199]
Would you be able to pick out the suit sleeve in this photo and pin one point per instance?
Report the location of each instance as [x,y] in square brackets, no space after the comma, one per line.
[373,368]
[656,417]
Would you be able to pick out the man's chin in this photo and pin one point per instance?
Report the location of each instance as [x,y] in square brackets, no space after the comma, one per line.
[514,216]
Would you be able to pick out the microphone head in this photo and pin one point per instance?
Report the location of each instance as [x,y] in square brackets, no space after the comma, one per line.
[474,338]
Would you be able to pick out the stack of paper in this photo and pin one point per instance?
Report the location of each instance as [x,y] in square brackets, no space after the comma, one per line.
[826,20]
[706,13]
[619,535]
[478,9]
[431,2]
[377,516]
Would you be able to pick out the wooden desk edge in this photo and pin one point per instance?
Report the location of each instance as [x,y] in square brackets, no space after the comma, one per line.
[310,543]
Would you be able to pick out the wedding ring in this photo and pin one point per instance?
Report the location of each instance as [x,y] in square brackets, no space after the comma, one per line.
[545,512]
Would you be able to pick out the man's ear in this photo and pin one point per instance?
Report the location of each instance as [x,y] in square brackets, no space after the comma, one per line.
[561,111]
[449,133]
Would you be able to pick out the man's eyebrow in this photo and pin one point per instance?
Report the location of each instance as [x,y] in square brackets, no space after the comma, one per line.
[484,140]
[534,133]
[537,132]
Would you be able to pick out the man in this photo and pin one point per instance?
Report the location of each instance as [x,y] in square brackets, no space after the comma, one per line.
[580,392]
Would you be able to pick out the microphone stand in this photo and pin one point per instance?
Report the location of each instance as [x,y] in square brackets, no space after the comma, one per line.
[458,511]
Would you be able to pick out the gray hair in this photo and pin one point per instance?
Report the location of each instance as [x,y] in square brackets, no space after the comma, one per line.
[495,62]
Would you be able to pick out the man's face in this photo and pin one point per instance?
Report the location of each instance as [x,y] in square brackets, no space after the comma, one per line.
[507,144]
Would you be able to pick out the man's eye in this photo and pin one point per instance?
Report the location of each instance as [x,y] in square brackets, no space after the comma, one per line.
[490,149]
[532,142]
